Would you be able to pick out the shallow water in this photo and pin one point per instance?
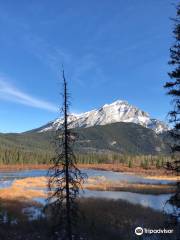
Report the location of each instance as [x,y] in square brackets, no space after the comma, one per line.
[109,175]
[157,202]
[5,183]
[119,176]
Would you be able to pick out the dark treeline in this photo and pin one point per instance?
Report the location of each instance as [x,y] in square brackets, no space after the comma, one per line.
[20,156]
[145,161]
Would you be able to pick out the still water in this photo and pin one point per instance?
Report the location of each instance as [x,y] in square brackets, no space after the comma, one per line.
[157,202]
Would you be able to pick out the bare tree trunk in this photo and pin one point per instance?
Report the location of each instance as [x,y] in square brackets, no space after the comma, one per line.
[68,225]
[65,179]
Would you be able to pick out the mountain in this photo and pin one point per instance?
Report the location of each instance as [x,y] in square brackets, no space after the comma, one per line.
[118,127]
[120,137]
[126,138]
[116,112]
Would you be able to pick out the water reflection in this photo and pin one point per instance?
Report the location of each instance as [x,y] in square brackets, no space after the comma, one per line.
[109,175]
[157,202]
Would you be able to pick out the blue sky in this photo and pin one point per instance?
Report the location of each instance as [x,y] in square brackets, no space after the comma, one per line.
[110,50]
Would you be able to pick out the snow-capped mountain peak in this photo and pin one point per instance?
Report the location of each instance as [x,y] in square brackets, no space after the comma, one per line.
[118,111]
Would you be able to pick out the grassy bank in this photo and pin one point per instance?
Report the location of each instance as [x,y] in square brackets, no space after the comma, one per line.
[153,172]
[29,188]
[132,187]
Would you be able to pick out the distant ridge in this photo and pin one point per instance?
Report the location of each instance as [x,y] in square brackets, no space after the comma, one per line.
[124,138]
[116,112]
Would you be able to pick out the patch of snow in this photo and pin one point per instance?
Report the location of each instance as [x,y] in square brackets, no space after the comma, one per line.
[33,213]
[118,111]
[113,143]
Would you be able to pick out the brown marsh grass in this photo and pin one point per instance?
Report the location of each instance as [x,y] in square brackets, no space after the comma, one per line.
[100,220]
[117,167]
[33,187]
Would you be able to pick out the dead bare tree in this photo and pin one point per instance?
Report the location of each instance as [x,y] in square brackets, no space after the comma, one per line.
[65,179]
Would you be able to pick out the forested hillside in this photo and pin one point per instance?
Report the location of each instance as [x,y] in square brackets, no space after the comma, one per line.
[98,144]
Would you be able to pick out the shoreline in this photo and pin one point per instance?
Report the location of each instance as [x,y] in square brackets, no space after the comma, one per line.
[153,173]
[36,187]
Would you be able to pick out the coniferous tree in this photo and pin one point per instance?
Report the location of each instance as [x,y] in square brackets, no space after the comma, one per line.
[65,178]
[173,87]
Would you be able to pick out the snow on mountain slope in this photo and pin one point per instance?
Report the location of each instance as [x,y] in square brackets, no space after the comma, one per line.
[118,111]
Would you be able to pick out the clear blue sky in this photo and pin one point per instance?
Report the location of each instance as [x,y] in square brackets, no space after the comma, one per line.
[111,50]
